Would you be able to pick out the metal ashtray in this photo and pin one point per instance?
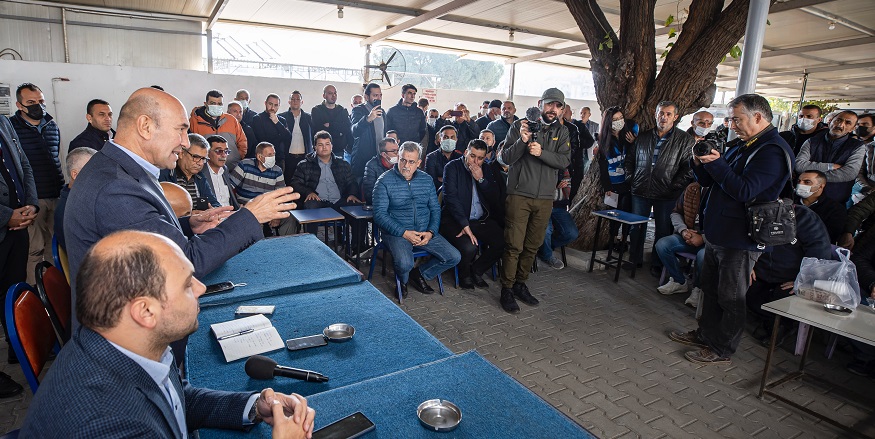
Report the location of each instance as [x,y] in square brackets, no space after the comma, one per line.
[837,309]
[338,332]
[439,415]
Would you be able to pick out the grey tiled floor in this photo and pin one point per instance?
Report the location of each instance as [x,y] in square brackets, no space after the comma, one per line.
[598,351]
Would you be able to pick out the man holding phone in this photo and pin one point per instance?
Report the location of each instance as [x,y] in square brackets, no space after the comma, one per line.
[368,126]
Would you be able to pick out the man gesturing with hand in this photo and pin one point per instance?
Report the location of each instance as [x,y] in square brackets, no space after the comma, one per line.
[407,212]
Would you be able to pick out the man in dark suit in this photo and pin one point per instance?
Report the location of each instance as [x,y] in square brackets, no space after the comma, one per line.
[118,189]
[137,293]
[217,174]
[300,124]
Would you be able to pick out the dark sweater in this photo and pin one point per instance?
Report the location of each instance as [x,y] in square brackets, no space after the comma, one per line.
[339,126]
[833,214]
[275,133]
[91,138]
[42,147]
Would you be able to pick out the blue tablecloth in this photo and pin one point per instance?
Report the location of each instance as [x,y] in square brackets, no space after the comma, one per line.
[386,340]
[276,266]
[493,405]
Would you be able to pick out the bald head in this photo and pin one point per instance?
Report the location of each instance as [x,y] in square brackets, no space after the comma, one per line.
[179,198]
[153,125]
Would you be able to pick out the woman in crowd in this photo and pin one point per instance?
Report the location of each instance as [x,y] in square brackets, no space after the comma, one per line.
[614,144]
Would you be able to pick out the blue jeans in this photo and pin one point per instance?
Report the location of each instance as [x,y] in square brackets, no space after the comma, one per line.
[662,217]
[666,249]
[561,230]
[444,256]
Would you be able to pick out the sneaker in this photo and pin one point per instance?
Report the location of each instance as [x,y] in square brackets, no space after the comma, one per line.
[693,300]
[522,292]
[707,357]
[672,287]
[508,303]
[554,262]
[8,387]
[688,338]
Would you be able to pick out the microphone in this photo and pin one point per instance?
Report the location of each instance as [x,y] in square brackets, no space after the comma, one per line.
[533,114]
[260,367]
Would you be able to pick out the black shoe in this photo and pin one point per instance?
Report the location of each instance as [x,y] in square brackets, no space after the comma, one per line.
[466,283]
[508,303]
[629,265]
[403,291]
[8,387]
[419,282]
[656,271]
[478,281]
[522,292]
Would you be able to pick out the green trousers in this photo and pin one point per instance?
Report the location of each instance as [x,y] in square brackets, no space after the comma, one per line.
[525,223]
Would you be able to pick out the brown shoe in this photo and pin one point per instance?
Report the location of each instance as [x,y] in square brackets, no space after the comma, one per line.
[688,338]
[707,357]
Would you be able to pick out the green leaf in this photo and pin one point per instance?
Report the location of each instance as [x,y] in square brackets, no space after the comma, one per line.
[672,33]
[664,53]
[723,59]
[669,20]
[602,46]
[768,23]
[610,43]
[735,52]
[669,45]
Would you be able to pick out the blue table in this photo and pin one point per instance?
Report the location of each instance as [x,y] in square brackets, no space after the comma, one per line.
[320,216]
[277,266]
[357,218]
[386,340]
[493,405]
[621,217]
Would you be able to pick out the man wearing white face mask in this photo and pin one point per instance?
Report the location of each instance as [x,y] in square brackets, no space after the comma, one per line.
[701,125]
[255,176]
[809,189]
[809,123]
[437,160]
[211,119]
[384,161]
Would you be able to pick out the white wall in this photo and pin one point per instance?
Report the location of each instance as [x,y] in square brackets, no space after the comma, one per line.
[66,100]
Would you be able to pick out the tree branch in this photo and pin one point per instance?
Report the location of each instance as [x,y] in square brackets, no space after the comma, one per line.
[702,15]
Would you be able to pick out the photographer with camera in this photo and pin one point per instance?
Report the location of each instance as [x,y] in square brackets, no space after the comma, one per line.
[735,180]
[536,148]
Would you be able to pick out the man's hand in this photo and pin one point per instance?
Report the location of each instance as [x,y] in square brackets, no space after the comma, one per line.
[375,113]
[836,166]
[208,219]
[274,223]
[525,134]
[22,217]
[787,286]
[466,116]
[412,236]
[446,114]
[535,149]
[273,205]
[424,238]
[326,124]
[353,199]
[630,137]
[563,184]
[467,231]
[287,414]
[274,118]
[313,196]
[477,172]
[714,155]
[753,277]
[846,240]
[695,239]
[608,193]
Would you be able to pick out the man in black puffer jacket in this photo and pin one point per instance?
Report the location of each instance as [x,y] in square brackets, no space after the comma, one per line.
[41,140]
[406,118]
[660,172]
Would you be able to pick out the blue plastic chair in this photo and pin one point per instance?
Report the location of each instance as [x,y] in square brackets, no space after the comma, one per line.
[416,254]
[30,331]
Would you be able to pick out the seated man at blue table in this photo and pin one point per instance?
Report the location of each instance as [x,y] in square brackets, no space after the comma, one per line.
[407,212]
[382,162]
[323,179]
[470,212]
[687,238]
[255,176]
[187,173]
[136,294]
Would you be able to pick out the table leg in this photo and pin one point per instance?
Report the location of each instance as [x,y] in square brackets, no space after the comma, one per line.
[805,351]
[625,237]
[769,354]
[595,241]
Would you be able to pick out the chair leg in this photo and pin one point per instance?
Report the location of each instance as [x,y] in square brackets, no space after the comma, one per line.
[564,258]
[456,273]
[440,284]
[373,262]
[831,346]
[398,290]
[662,276]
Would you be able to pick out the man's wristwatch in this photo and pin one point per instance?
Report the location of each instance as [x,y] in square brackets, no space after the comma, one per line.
[481,180]
[254,417]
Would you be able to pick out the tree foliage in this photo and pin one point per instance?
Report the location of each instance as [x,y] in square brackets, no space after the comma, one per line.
[448,71]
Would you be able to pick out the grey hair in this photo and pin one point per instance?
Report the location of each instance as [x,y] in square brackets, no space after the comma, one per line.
[410,146]
[76,159]
[664,104]
[751,104]
[198,140]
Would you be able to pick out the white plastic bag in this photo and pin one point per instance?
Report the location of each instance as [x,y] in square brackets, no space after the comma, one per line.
[828,281]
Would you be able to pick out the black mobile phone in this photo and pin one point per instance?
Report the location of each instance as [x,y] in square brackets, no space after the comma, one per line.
[377,102]
[349,427]
[199,203]
[311,341]
[456,113]
[219,288]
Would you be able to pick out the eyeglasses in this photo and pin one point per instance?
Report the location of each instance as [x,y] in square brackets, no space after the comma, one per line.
[222,151]
[408,162]
[195,157]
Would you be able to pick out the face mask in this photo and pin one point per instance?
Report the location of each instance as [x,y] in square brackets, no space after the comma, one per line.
[805,124]
[269,162]
[244,105]
[432,120]
[448,145]
[393,160]
[618,125]
[863,132]
[701,131]
[214,110]
[36,111]
[803,191]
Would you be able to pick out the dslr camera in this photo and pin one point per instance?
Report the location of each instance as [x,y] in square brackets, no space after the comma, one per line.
[704,147]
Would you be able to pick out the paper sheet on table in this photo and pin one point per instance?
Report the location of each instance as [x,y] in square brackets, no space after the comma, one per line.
[256,336]
[612,200]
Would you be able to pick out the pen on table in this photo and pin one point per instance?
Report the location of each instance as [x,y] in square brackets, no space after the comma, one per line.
[245,331]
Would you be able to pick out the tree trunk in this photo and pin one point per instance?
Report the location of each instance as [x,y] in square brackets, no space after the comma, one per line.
[593,199]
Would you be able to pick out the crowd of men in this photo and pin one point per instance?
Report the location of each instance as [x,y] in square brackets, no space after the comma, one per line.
[472,191]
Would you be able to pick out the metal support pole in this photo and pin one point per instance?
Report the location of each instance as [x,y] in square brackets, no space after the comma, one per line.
[802,96]
[511,81]
[367,71]
[209,51]
[757,15]
[64,31]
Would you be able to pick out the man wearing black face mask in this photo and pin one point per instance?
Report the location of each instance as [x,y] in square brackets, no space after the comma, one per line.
[40,140]
[866,132]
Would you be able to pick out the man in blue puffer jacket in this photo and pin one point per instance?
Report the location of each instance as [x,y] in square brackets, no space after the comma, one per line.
[407,211]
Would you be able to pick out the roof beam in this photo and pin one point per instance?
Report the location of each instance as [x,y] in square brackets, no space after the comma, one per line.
[413,22]
[820,46]
[795,4]
[217,11]
[547,54]
[846,66]
[428,33]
